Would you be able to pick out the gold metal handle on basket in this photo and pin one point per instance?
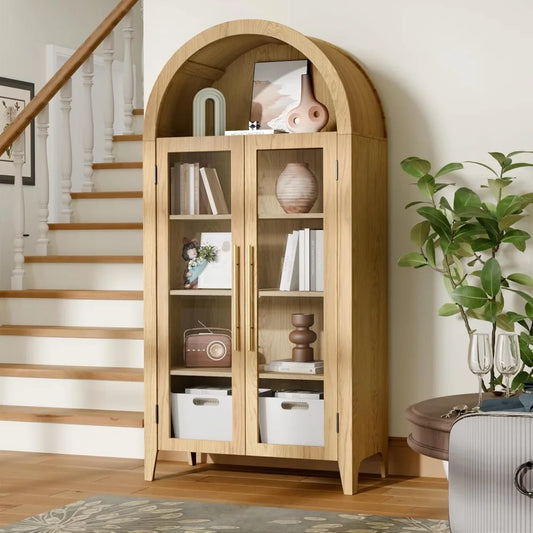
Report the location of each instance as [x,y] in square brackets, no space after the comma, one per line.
[235,302]
[251,298]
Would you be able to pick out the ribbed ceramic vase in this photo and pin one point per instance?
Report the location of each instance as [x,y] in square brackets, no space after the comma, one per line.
[297,188]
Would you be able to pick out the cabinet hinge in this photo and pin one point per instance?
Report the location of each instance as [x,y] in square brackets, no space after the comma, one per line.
[155,175]
[157,414]
[337,422]
[336,170]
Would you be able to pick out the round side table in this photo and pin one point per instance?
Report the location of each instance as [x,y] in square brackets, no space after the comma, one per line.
[429,432]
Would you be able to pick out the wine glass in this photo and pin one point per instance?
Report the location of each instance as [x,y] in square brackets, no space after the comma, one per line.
[479,360]
[507,357]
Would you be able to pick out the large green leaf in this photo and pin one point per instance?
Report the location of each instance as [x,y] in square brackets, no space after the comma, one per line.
[466,231]
[448,309]
[483,165]
[523,294]
[510,205]
[416,167]
[491,275]
[412,259]
[507,221]
[420,232]
[529,310]
[519,380]
[465,197]
[522,279]
[472,212]
[450,167]
[437,219]
[492,229]
[469,297]
[525,351]
[490,312]
[499,157]
[504,323]
[516,237]
[417,202]
[480,245]
[430,252]
[426,185]
[518,165]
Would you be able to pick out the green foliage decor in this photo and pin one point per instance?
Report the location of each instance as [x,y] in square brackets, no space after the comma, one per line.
[464,238]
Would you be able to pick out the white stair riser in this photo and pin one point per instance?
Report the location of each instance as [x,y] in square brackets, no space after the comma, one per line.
[128,151]
[72,393]
[138,124]
[67,351]
[118,179]
[108,210]
[65,312]
[96,242]
[89,276]
[102,441]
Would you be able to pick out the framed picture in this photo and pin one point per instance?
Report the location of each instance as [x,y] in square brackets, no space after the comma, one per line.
[276,90]
[14,96]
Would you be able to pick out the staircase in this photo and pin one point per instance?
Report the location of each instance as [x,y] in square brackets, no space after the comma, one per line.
[71,343]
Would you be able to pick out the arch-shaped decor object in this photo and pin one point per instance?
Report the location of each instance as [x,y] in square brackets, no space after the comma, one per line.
[223,56]
[199,111]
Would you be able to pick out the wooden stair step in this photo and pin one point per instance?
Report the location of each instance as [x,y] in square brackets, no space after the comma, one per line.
[73,294]
[124,164]
[84,259]
[72,332]
[86,417]
[105,195]
[127,138]
[71,372]
[138,111]
[95,225]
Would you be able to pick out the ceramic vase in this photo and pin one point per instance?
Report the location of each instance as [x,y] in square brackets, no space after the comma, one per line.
[296,188]
[302,337]
[309,115]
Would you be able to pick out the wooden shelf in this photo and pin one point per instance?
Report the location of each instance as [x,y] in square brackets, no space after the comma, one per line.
[200,292]
[289,294]
[291,375]
[206,372]
[292,216]
[200,217]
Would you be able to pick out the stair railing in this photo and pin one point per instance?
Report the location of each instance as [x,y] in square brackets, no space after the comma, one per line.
[38,108]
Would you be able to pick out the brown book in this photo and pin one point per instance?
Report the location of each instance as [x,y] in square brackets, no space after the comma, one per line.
[214,191]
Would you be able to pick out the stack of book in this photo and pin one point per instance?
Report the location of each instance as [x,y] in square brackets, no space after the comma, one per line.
[196,190]
[297,367]
[303,263]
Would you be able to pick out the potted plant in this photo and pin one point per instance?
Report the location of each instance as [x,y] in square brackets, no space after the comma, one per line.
[468,238]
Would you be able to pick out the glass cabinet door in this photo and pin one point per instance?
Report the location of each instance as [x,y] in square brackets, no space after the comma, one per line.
[200,255]
[291,285]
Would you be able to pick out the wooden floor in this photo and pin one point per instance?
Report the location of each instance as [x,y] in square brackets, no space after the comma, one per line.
[31,483]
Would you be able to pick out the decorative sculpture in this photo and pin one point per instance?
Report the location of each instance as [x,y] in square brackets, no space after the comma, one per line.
[198,111]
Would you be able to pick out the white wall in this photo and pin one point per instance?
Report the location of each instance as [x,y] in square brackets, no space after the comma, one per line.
[456,82]
[26,27]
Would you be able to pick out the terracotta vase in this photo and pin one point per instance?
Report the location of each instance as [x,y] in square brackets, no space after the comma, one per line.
[302,337]
[310,115]
[296,188]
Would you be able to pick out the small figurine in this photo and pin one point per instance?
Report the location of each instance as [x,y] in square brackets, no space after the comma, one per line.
[197,258]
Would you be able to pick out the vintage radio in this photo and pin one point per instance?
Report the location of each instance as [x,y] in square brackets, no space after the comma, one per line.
[207,347]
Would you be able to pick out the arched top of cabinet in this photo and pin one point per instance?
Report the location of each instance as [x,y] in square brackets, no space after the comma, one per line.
[224,56]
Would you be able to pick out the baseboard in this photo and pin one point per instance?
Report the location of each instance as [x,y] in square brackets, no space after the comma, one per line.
[402,461]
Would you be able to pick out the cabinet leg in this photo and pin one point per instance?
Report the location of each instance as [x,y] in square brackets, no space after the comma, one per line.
[349,477]
[384,464]
[150,460]
[192,458]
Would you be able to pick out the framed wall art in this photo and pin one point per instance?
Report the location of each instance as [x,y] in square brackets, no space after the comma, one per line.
[276,90]
[14,96]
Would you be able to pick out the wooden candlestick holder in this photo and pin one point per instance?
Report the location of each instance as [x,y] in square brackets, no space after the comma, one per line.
[302,336]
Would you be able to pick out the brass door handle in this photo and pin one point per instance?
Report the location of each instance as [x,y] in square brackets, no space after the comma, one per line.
[251,298]
[235,300]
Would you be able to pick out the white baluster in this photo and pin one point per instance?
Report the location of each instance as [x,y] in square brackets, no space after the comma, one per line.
[88,125]
[109,101]
[44,191]
[65,98]
[127,32]
[17,275]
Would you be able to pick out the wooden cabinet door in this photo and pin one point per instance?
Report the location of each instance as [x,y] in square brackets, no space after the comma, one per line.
[279,421]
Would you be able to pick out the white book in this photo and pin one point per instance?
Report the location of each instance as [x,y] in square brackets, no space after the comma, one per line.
[301,261]
[307,235]
[209,391]
[174,190]
[214,191]
[299,394]
[217,275]
[319,260]
[196,187]
[289,279]
[312,260]
[288,365]
[184,188]
[252,132]
[190,202]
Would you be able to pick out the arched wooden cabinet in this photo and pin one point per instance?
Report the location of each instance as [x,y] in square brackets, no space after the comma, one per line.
[349,421]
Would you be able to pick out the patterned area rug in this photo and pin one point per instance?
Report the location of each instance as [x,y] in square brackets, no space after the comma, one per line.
[109,514]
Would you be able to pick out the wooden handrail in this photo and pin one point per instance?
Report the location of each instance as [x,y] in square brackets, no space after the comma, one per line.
[59,79]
